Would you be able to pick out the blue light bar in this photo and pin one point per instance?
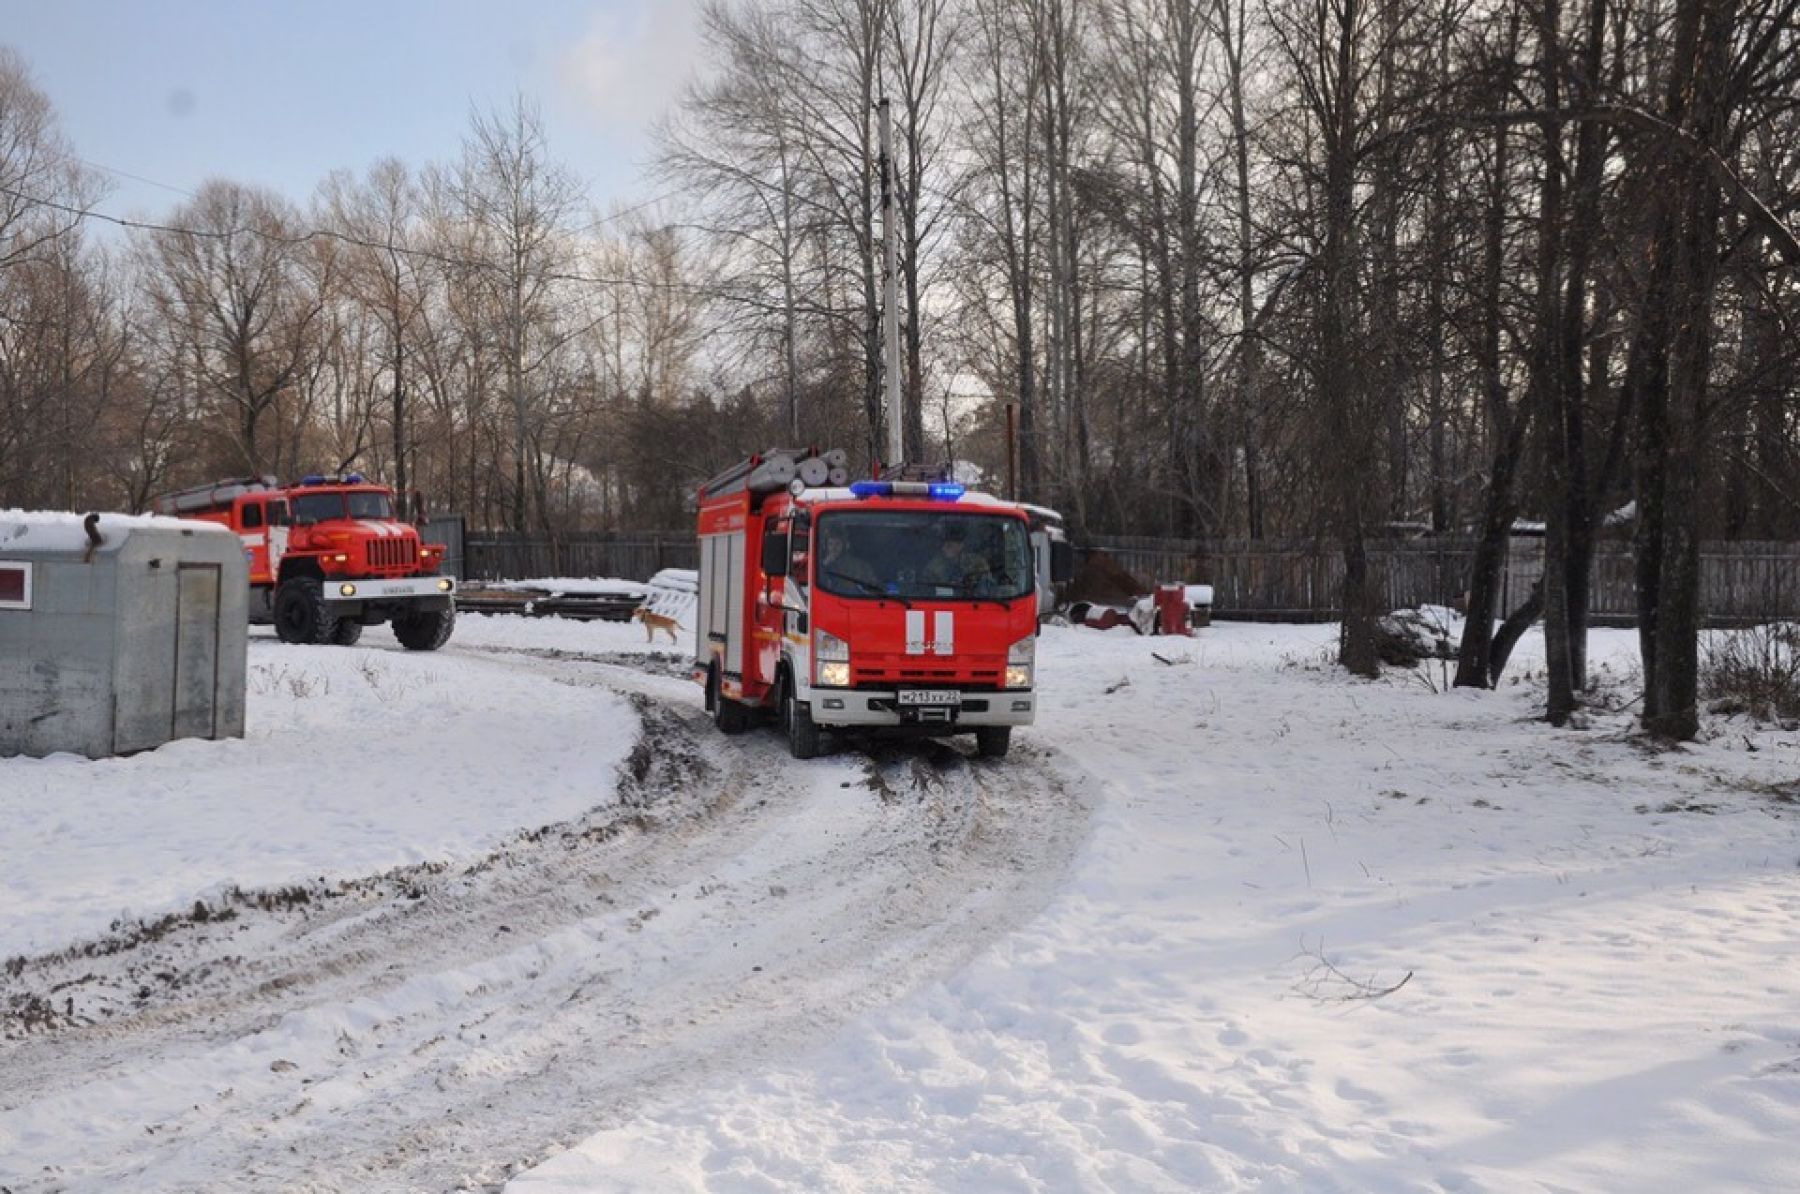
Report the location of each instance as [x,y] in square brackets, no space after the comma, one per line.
[312,479]
[943,491]
[354,479]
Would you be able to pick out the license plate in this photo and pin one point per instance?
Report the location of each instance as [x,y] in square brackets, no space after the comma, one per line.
[929,696]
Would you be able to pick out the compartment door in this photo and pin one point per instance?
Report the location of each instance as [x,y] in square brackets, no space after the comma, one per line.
[196,710]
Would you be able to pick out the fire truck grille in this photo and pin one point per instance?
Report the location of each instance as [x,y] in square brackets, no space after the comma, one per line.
[391,554]
[907,669]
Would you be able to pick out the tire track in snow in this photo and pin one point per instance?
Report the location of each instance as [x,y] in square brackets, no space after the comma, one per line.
[438,1027]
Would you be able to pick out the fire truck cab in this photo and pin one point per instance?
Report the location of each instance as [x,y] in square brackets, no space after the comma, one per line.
[903,607]
[328,557]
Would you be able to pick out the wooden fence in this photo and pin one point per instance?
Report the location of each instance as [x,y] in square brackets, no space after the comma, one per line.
[1276,580]
[1271,580]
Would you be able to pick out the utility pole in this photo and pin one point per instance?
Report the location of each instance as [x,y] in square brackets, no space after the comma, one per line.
[890,288]
[1012,451]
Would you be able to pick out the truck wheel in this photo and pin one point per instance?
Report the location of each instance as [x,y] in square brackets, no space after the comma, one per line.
[300,613]
[991,742]
[346,632]
[728,715]
[425,631]
[802,731]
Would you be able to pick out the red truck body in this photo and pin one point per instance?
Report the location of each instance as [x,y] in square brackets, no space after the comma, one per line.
[844,608]
[328,557]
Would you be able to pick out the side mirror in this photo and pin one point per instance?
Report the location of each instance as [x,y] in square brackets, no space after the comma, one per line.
[774,555]
[1062,561]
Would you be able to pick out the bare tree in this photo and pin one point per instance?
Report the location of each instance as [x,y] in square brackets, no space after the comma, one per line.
[517,205]
[230,283]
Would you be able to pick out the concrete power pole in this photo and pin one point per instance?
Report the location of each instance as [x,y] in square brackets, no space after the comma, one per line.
[890,288]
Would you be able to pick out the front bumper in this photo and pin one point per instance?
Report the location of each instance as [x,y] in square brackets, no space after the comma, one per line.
[865,707]
[410,594]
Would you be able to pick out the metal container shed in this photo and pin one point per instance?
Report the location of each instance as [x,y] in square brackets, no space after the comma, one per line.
[118,633]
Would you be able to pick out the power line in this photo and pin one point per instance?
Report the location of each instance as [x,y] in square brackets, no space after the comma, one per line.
[305,238]
[633,209]
[136,177]
[598,221]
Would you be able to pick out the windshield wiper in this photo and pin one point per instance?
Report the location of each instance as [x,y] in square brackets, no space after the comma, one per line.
[867,586]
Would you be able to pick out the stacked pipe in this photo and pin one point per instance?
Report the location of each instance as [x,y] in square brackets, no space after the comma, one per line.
[778,468]
[209,496]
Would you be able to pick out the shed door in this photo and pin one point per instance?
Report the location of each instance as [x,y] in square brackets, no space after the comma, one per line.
[196,652]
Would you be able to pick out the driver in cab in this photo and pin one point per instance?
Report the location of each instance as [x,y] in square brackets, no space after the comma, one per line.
[840,563]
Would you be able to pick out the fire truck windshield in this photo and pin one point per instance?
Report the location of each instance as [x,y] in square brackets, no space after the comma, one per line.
[923,554]
[323,507]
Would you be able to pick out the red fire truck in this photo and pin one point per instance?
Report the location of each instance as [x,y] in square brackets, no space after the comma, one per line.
[896,606]
[328,557]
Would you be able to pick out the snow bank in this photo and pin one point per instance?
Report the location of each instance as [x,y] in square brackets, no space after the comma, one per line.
[355,760]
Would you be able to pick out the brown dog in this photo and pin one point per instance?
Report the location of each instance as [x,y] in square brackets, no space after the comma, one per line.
[654,622]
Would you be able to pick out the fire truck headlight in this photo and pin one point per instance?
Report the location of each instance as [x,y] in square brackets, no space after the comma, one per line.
[347,590]
[834,675]
[827,645]
[1018,675]
[444,586]
[340,558]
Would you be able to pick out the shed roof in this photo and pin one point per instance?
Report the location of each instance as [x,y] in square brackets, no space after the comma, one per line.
[61,530]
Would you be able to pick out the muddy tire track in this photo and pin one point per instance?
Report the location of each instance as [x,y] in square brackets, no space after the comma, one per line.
[444,1026]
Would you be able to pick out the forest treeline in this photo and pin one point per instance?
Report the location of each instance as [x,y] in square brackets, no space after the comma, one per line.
[1301,268]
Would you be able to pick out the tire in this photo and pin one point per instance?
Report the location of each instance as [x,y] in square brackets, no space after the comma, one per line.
[784,680]
[300,614]
[425,631]
[728,715]
[803,736]
[346,632]
[992,742]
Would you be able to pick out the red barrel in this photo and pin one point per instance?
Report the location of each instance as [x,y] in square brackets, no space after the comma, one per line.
[1172,609]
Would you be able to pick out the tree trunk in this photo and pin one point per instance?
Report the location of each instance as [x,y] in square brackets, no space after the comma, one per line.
[1547,375]
[1506,429]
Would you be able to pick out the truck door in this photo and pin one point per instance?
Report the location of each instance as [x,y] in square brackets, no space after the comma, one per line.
[253,532]
[278,534]
[771,598]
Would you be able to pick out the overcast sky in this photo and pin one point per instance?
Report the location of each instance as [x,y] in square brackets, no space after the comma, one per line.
[281,93]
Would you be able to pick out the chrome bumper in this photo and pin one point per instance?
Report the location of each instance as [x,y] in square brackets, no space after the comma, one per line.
[833,707]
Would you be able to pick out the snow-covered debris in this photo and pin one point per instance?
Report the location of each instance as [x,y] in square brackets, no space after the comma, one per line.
[1411,635]
[1144,610]
[575,586]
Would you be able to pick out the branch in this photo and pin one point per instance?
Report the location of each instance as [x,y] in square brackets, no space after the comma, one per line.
[1736,190]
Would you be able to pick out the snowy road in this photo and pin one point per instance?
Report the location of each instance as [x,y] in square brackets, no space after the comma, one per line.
[441,1025]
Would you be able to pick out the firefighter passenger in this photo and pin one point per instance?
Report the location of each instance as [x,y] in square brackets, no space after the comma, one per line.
[954,565]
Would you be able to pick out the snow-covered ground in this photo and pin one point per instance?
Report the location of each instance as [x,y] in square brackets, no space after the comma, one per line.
[354,760]
[1228,919]
[1603,946]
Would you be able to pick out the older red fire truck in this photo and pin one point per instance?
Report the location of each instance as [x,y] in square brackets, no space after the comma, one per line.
[894,606]
[328,557]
